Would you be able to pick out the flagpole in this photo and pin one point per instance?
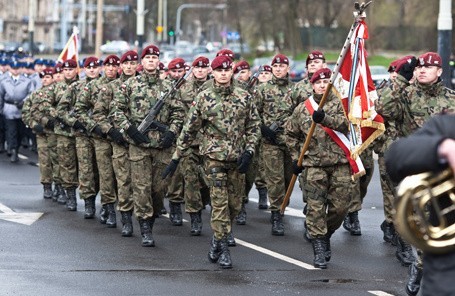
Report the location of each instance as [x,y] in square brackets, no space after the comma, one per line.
[359,16]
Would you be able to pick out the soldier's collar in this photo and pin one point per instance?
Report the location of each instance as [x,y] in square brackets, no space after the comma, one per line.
[280,81]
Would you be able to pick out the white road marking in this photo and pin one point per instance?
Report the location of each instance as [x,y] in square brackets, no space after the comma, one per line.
[380,293]
[21,156]
[22,218]
[289,211]
[275,254]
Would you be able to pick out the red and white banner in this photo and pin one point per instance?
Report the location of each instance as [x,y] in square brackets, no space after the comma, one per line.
[355,87]
[70,52]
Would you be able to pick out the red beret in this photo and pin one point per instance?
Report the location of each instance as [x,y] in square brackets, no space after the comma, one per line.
[58,67]
[177,63]
[396,65]
[266,68]
[280,59]
[242,65]
[201,62]
[222,62]
[323,73]
[91,62]
[111,60]
[430,59]
[161,66]
[225,52]
[151,49]
[187,67]
[47,71]
[130,55]
[69,64]
[314,55]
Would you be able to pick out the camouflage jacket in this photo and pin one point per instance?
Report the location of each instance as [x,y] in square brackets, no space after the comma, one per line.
[134,100]
[322,151]
[31,115]
[26,111]
[228,121]
[304,87]
[410,106]
[86,101]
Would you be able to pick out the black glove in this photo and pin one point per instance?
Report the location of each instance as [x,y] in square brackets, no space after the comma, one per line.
[79,126]
[268,133]
[296,169]
[39,129]
[318,115]
[50,123]
[116,136]
[97,130]
[136,135]
[168,139]
[170,169]
[407,69]
[244,162]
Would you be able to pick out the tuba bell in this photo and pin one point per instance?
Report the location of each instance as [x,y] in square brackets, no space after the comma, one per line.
[425,211]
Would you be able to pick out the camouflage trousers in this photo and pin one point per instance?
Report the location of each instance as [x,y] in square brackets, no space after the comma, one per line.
[278,173]
[122,171]
[388,190]
[149,189]
[255,174]
[328,195]
[226,185]
[66,149]
[52,145]
[194,181]
[88,170]
[359,190]
[108,185]
[44,159]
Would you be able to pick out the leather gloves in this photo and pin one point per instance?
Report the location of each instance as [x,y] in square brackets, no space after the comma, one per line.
[136,135]
[50,123]
[406,68]
[116,136]
[296,169]
[170,169]
[268,133]
[79,126]
[39,129]
[168,139]
[244,162]
[97,130]
[318,115]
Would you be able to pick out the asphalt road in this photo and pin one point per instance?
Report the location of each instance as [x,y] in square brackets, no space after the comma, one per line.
[62,254]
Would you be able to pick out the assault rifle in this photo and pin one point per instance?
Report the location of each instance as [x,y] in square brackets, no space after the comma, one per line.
[149,120]
[253,80]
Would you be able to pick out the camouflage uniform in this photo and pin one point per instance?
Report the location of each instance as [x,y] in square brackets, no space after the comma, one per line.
[327,185]
[229,126]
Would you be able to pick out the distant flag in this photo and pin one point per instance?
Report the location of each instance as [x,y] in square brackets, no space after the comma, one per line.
[70,52]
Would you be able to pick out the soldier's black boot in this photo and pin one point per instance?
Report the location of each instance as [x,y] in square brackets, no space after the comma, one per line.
[55,192]
[215,250]
[111,221]
[196,223]
[175,214]
[89,212]
[277,224]
[146,232]
[231,240]
[71,204]
[319,248]
[415,277]
[328,249]
[127,222]
[404,252]
[241,218]
[347,223]
[355,223]
[389,230]
[103,214]
[62,198]
[47,191]
[262,204]
[306,234]
[14,155]
[225,256]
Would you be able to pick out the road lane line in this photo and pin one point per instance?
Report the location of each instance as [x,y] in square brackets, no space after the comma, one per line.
[380,293]
[275,254]
[5,209]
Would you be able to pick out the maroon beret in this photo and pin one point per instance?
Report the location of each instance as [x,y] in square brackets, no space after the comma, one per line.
[242,65]
[130,55]
[314,55]
[58,67]
[225,52]
[151,49]
[396,65]
[161,66]
[201,62]
[323,73]
[280,59]
[69,64]
[91,62]
[177,63]
[430,59]
[187,67]
[47,71]
[221,62]
[112,60]
[266,68]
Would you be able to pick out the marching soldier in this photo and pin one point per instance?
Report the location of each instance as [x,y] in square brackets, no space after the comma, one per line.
[314,61]
[265,74]
[229,123]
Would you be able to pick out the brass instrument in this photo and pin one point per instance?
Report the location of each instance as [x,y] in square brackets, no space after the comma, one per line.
[425,211]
